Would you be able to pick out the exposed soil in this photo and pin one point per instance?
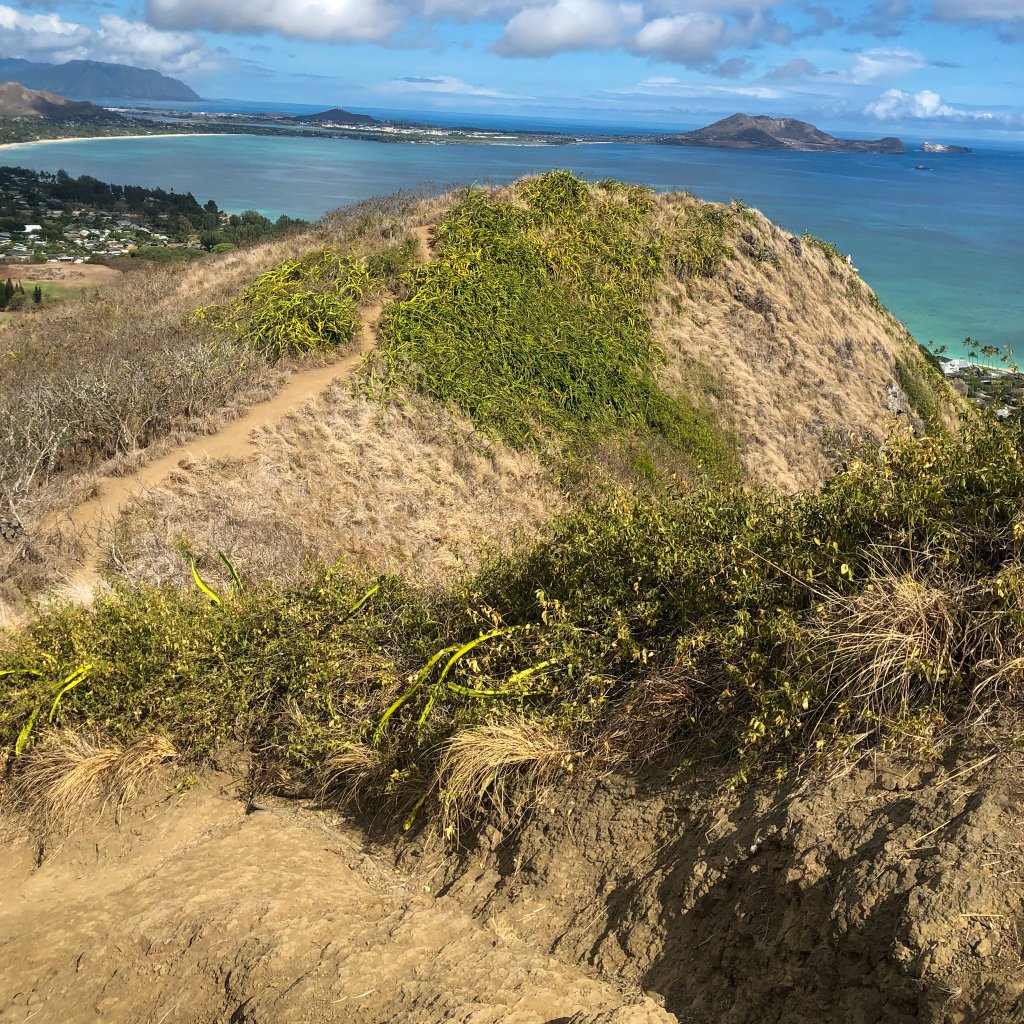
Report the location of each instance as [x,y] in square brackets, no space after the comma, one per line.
[891,894]
[196,912]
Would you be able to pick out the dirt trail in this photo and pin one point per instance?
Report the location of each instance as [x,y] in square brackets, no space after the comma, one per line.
[196,912]
[93,519]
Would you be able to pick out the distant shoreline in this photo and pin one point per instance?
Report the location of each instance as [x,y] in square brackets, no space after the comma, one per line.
[107,138]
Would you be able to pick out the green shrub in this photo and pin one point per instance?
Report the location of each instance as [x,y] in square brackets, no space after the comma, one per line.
[830,251]
[531,319]
[697,246]
[301,305]
[926,390]
[730,624]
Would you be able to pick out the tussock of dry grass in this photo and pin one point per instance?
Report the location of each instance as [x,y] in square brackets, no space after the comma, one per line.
[354,776]
[68,776]
[905,639]
[507,764]
[404,487]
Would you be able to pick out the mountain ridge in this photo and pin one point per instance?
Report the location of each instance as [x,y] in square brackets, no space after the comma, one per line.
[19,101]
[95,80]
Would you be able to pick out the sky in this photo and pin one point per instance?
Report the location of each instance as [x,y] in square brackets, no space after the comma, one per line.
[882,67]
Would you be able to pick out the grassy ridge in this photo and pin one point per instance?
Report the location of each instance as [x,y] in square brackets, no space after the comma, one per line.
[730,625]
[531,319]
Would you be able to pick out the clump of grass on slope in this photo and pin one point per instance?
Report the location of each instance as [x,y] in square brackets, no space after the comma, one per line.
[730,624]
[307,304]
[698,247]
[531,319]
[926,389]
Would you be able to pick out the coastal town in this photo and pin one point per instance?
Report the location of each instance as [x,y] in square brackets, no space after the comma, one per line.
[55,218]
[86,234]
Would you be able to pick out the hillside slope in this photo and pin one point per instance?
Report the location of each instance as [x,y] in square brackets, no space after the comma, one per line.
[16,100]
[572,615]
[778,352]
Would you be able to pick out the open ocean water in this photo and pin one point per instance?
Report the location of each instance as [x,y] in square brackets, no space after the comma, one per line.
[944,248]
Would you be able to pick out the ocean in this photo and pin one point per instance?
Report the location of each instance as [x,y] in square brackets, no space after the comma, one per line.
[943,247]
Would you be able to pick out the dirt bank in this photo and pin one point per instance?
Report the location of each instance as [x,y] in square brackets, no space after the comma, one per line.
[194,911]
[891,894]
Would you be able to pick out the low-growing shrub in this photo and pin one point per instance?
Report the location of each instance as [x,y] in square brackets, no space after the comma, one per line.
[730,624]
[531,319]
[301,305]
[697,245]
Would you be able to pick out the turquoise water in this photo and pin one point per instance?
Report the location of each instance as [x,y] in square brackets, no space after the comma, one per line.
[943,248]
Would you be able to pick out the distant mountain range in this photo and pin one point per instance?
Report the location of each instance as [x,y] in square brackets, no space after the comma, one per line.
[16,100]
[742,131]
[337,115]
[95,80]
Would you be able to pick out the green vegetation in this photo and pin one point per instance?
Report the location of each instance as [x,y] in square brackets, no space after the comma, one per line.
[698,248]
[307,304]
[82,216]
[719,627]
[531,319]
[826,247]
[926,390]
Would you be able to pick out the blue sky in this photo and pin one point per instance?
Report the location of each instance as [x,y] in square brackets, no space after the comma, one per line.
[880,67]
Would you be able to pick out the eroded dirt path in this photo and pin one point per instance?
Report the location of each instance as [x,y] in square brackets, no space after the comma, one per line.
[194,911]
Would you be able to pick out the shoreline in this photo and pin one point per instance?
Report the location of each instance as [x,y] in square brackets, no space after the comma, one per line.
[107,138]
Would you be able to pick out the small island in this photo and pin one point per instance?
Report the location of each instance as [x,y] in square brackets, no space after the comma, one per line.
[743,131]
[938,147]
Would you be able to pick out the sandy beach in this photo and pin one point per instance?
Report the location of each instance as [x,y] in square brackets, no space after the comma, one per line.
[96,138]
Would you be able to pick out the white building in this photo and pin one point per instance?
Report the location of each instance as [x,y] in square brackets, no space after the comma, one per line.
[951,367]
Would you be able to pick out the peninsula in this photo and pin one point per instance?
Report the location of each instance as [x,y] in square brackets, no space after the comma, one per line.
[743,131]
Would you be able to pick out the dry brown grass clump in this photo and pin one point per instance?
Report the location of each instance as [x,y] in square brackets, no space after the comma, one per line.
[68,776]
[914,636]
[507,765]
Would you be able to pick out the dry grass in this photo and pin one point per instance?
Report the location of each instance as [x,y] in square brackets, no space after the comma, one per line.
[783,345]
[508,765]
[914,636]
[94,388]
[353,777]
[405,487]
[67,776]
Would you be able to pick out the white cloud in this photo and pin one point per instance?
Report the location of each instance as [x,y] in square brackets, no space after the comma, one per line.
[115,39]
[673,87]
[568,25]
[873,64]
[326,20]
[693,39]
[894,104]
[445,85]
